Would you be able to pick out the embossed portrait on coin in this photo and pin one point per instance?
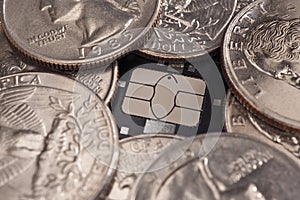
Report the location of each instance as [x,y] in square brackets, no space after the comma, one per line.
[203,185]
[274,49]
[98,20]
[22,133]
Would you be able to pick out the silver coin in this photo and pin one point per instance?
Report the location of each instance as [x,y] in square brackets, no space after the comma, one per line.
[237,168]
[77,33]
[189,28]
[239,120]
[136,154]
[58,139]
[102,82]
[261,56]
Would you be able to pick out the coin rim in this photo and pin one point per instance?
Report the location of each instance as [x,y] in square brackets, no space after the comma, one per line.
[182,56]
[113,85]
[114,133]
[253,107]
[200,138]
[129,139]
[229,127]
[85,63]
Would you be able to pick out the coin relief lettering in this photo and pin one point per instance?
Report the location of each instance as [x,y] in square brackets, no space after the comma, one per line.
[246,164]
[255,89]
[241,4]
[93,80]
[188,28]
[173,42]
[19,80]
[238,120]
[89,52]
[49,37]
[247,17]
[236,46]
[100,82]
[239,64]
[240,31]
[97,50]
[73,34]
[113,17]
[263,10]
[271,52]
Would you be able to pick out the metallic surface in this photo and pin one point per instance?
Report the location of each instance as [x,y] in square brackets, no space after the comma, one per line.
[76,33]
[136,154]
[236,168]
[261,61]
[163,96]
[242,4]
[239,120]
[101,82]
[189,28]
[58,139]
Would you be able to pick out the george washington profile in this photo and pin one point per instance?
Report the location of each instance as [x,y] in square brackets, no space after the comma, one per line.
[97,19]
[187,187]
[274,49]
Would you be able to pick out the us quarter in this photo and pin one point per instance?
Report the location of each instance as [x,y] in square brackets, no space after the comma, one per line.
[237,168]
[136,154]
[238,119]
[261,61]
[189,28]
[58,139]
[101,81]
[77,33]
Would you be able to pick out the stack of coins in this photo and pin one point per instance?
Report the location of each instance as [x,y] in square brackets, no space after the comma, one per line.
[149,99]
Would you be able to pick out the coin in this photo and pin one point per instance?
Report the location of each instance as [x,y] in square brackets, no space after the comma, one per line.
[236,168]
[136,154]
[238,119]
[77,33]
[58,139]
[189,28]
[261,61]
[102,82]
